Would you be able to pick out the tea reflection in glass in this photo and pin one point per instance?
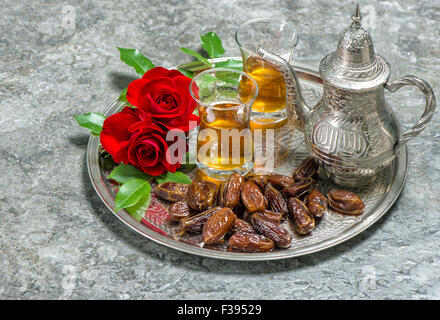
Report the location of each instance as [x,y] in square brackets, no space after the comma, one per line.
[276,37]
[224,140]
[273,142]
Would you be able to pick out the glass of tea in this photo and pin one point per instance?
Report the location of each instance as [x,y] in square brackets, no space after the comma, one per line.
[224,139]
[276,37]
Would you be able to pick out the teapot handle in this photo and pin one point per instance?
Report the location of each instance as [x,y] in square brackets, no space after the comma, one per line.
[429,106]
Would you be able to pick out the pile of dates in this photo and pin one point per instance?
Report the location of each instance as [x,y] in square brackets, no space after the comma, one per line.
[245,213]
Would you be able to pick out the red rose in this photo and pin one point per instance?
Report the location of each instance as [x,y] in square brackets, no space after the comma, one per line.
[148,152]
[131,137]
[165,95]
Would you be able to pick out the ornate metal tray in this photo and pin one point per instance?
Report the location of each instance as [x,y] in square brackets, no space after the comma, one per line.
[333,228]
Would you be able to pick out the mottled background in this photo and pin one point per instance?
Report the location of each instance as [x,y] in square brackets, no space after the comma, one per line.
[57,240]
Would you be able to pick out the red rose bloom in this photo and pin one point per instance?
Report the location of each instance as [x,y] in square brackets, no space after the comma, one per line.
[131,137]
[164,94]
[116,133]
[148,152]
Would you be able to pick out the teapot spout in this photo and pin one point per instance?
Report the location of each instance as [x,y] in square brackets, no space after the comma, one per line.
[297,110]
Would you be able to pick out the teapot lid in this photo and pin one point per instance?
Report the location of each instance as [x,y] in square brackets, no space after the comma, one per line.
[354,65]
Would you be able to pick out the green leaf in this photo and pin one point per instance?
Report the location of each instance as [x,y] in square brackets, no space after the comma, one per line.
[194,66]
[131,192]
[212,44]
[187,73]
[105,160]
[125,172]
[190,164]
[196,55]
[139,209]
[135,59]
[228,77]
[173,177]
[230,63]
[205,84]
[92,121]
[123,96]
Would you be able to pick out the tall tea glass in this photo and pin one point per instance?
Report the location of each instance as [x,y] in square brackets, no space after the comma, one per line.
[276,37]
[224,140]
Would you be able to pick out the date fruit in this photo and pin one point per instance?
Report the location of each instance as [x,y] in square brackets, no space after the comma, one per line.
[252,197]
[303,220]
[231,191]
[307,169]
[221,193]
[273,231]
[280,181]
[202,195]
[172,191]
[316,203]
[194,224]
[242,226]
[250,242]
[217,225]
[240,209]
[259,179]
[345,202]
[179,210]
[298,189]
[275,199]
[273,216]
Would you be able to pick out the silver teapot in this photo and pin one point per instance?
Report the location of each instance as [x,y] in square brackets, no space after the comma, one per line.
[351,132]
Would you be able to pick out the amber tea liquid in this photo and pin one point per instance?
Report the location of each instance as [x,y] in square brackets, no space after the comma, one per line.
[272,87]
[219,146]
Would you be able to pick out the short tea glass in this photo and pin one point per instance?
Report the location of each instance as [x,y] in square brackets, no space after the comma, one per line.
[274,36]
[224,139]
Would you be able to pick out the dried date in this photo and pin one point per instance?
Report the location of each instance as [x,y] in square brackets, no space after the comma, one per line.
[242,226]
[217,225]
[221,193]
[275,199]
[172,191]
[231,191]
[303,220]
[273,231]
[273,216]
[259,179]
[249,242]
[345,202]
[280,181]
[202,195]
[298,189]
[252,197]
[179,210]
[307,169]
[316,203]
[194,224]
[240,209]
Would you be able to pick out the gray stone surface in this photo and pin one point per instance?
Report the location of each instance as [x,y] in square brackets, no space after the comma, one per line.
[57,240]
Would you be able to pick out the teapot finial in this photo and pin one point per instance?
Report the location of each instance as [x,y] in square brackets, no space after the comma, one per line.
[354,64]
[356,17]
